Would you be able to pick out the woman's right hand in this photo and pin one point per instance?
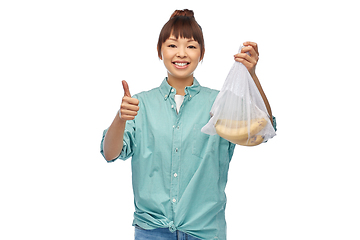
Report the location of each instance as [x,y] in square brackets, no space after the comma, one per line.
[113,141]
[129,106]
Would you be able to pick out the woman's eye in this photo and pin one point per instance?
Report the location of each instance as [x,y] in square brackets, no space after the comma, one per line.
[172,46]
[193,47]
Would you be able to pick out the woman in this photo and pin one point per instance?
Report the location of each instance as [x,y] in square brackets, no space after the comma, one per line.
[179,174]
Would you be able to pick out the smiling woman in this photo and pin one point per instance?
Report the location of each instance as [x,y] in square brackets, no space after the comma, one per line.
[160,130]
[182,24]
[181,57]
[181,47]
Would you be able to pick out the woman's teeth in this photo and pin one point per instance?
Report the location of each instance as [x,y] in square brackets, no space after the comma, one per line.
[180,64]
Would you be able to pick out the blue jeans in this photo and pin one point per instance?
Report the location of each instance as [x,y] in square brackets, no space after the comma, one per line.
[161,234]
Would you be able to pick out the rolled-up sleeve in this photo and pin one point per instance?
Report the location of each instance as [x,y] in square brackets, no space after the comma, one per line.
[129,143]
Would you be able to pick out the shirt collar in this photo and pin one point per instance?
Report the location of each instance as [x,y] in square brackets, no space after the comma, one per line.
[167,90]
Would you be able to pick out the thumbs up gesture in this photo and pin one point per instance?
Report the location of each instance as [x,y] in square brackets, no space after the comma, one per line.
[129,106]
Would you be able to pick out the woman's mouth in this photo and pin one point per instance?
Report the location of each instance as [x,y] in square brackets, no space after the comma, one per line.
[181,65]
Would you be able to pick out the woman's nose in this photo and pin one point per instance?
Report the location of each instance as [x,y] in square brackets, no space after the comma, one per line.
[182,52]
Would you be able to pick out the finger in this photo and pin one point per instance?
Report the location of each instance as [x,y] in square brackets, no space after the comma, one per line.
[131,100]
[245,57]
[125,112]
[131,107]
[253,44]
[248,49]
[126,89]
[247,64]
[251,51]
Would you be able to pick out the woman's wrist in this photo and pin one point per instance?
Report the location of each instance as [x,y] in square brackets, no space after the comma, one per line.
[119,116]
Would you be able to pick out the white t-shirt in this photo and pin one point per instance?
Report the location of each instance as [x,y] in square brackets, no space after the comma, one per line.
[179,99]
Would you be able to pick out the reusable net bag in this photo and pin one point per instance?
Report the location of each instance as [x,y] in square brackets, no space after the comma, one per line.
[239,113]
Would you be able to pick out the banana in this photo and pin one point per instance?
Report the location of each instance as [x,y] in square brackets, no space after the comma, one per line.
[253,141]
[237,131]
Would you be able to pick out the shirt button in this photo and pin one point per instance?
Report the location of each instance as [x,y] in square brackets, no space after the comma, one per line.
[174,126]
[165,96]
[172,106]
[178,127]
[176,150]
[174,200]
[190,95]
[172,90]
[175,175]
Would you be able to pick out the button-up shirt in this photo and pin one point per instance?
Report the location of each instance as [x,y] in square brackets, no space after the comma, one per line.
[179,174]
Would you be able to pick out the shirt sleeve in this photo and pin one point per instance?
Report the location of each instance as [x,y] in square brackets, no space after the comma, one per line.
[231,150]
[274,123]
[129,143]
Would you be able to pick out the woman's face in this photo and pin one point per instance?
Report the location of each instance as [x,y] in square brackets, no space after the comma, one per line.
[181,56]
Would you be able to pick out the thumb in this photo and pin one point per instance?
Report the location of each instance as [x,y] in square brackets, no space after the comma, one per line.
[126,89]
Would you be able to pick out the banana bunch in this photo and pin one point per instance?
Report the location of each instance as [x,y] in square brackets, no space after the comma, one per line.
[239,132]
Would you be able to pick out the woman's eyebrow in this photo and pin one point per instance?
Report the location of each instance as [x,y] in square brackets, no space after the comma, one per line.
[174,39]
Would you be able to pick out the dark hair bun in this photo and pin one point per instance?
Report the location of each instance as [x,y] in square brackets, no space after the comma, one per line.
[185,12]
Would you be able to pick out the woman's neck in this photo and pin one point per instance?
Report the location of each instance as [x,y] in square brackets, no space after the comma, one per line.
[180,83]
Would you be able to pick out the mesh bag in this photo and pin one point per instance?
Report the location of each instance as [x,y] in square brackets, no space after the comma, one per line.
[239,113]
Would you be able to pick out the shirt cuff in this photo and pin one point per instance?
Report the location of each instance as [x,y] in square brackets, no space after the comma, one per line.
[274,123]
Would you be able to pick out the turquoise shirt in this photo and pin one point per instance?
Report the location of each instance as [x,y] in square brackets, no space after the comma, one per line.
[179,174]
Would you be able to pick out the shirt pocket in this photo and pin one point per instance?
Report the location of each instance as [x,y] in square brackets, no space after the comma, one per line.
[201,142]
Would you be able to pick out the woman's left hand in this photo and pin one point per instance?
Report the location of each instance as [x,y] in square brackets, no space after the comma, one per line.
[249,61]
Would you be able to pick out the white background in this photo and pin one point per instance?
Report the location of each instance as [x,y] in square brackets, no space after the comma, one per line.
[61,66]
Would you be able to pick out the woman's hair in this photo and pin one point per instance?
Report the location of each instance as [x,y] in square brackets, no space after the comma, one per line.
[182,23]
